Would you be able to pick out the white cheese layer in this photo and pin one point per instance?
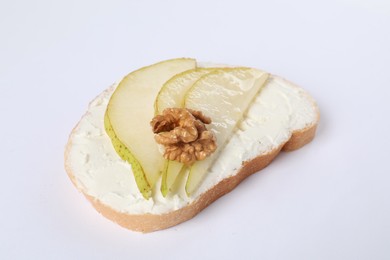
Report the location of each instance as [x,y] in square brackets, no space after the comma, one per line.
[278,110]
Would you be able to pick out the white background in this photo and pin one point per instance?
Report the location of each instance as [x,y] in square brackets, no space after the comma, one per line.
[329,200]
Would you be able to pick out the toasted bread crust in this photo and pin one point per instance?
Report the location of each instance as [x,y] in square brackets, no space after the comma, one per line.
[150,222]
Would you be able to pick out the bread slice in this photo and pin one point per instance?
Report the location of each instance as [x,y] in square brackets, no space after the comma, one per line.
[89,145]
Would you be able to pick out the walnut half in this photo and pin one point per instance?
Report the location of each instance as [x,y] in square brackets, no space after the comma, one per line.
[184,135]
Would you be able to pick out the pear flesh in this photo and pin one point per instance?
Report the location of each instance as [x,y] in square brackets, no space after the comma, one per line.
[172,95]
[225,96]
[129,111]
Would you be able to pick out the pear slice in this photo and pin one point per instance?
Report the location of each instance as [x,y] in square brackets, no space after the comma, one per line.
[128,115]
[225,96]
[172,95]
[169,176]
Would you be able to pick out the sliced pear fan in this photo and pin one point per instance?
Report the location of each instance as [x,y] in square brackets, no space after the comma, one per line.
[224,94]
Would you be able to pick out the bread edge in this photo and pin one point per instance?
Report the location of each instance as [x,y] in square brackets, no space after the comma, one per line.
[146,223]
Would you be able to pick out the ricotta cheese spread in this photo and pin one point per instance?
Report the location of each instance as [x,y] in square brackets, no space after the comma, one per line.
[278,110]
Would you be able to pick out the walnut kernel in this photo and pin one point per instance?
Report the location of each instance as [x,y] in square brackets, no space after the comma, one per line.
[184,135]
